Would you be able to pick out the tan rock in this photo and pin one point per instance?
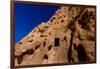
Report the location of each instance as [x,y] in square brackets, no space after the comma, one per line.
[64,38]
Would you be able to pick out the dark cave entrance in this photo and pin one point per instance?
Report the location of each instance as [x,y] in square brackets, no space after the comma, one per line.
[81,53]
[57,42]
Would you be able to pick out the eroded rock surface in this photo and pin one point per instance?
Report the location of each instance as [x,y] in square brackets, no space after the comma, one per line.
[67,37]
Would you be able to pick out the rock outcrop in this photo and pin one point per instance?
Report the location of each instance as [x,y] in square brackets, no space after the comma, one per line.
[67,37]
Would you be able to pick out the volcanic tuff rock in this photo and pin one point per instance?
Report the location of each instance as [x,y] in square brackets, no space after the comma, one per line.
[67,37]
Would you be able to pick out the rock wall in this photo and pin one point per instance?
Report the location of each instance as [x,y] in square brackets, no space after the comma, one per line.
[67,37]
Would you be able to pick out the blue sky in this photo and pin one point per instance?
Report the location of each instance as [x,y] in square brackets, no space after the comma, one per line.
[28,16]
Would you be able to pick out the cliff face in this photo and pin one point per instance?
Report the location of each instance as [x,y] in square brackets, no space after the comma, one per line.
[67,37]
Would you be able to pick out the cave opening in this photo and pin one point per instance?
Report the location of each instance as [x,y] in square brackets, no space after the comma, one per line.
[57,42]
[45,56]
[81,53]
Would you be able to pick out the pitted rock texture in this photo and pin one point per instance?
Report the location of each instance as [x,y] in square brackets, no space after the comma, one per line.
[67,37]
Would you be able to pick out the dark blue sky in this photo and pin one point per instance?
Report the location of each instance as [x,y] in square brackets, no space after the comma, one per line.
[28,16]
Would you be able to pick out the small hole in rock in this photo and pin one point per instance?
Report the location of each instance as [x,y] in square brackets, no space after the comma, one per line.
[62,21]
[40,30]
[56,43]
[20,42]
[52,19]
[49,48]
[32,36]
[43,35]
[45,56]
[65,38]
[49,33]
[30,51]
[44,43]
[46,26]
[30,40]
[36,47]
